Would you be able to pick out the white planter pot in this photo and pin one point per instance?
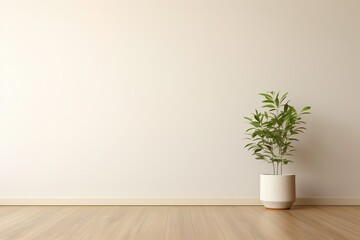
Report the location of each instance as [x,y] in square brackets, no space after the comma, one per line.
[277,191]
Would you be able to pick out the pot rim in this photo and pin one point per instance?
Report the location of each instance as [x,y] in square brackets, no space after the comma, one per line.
[286,175]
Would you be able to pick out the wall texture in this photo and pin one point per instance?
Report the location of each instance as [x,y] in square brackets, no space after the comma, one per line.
[146,98]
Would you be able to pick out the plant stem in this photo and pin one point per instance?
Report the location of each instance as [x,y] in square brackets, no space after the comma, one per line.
[273,167]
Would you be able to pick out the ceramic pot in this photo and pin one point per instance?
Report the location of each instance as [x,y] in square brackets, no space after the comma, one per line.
[277,191]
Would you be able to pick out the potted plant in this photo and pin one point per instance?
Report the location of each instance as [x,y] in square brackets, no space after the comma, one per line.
[271,138]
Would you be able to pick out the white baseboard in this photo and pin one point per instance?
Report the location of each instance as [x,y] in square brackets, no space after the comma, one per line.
[313,200]
[328,200]
[130,201]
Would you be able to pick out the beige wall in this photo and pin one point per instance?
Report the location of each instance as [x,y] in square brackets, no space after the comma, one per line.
[146,98]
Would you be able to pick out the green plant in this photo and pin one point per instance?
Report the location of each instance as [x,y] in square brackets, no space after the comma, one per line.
[273,131]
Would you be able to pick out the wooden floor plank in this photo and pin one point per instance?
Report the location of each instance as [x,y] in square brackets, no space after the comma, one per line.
[179,224]
[205,224]
[237,225]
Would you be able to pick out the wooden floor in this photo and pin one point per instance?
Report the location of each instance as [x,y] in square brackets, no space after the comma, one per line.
[178,222]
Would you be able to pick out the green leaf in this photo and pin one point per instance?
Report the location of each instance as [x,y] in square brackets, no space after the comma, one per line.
[268,106]
[248,145]
[283,97]
[306,108]
[255,124]
[267,96]
[251,147]
[286,108]
[247,130]
[269,147]
[293,139]
[277,100]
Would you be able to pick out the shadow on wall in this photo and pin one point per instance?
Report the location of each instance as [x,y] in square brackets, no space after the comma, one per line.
[325,154]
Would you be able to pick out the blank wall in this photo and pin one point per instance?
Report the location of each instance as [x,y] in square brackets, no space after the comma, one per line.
[147,98]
